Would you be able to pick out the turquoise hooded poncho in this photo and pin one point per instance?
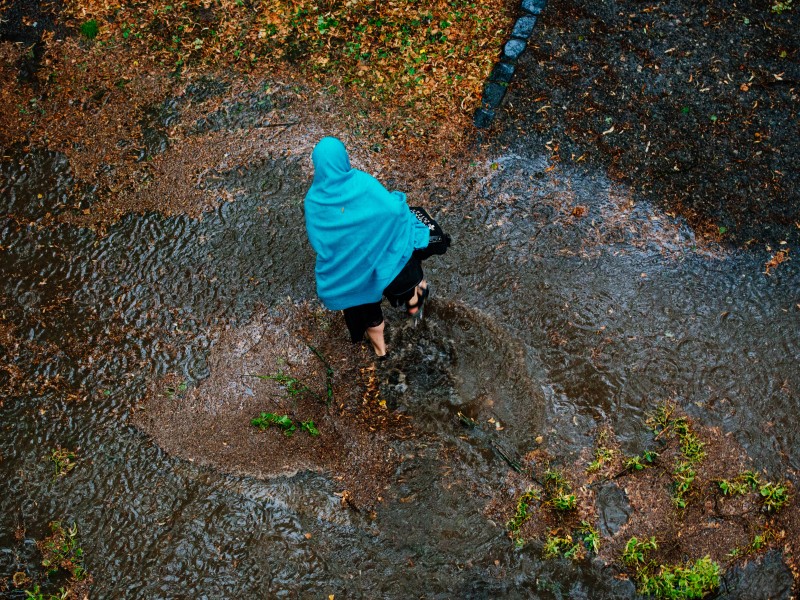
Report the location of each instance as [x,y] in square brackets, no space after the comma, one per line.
[363,235]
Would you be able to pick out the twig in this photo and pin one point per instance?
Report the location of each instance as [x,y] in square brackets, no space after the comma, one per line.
[328,374]
[288,124]
[514,464]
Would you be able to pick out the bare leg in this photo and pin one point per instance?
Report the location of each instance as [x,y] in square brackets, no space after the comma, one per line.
[413,303]
[375,335]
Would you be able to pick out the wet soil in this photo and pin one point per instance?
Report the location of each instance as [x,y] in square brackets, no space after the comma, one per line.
[209,423]
[730,529]
[693,105]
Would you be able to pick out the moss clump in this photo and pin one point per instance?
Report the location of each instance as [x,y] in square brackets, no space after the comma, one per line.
[90,29]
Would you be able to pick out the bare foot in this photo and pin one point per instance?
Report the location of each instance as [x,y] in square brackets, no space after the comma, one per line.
[376,338]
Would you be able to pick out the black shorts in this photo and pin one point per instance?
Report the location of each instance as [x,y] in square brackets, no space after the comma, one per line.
[399,291]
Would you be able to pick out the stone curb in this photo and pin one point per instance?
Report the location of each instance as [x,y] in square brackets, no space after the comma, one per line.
[500,78]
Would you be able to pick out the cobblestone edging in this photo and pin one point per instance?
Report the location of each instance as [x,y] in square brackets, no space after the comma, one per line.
[500,77]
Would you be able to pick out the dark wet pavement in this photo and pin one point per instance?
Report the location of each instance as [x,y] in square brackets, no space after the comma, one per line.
[548,321]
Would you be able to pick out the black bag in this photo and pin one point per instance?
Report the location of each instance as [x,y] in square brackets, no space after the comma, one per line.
[439,240]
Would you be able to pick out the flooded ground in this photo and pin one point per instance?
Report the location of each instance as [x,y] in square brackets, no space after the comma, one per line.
[153,259]
[563,305]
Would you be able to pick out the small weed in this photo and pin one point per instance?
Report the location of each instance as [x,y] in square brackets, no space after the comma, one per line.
[779,7]
[758,542]
[90,29]
[733,487]
[326,23]
[265,420]
[775,496]
[564,502]
[309,427]
[559,491]
[37,594]
[663,422]
[649,456]
[660,421]
[178,390]
[636,552]
[63,461]
[590,536]
[634,463]
[555,546]
[684,475]
[751,478]
[692,447]
[602,455]
[682,582]
[521,515]
[292,385]
[555,482]
[61,550]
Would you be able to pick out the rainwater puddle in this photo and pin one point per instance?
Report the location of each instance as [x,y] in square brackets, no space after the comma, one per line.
[547,319]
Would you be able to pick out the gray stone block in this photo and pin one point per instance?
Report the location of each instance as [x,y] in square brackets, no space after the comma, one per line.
[502,73]
[493,94]
[523,28]
[535,7]
[513,49]
[613,508]
[483,118]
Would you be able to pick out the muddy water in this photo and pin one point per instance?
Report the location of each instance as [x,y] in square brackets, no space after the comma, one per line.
[546,321]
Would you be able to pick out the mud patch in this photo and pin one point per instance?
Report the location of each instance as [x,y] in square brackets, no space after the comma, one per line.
[210,423]
[270,366]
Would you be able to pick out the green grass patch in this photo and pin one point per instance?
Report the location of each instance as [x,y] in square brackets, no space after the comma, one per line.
[680,582]
[90,29]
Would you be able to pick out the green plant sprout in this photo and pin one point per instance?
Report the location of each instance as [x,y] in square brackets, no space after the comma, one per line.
[779,7]
[62,551]
[177,390]
[555,546]
[602,455]
[521,514]
[774,495]
[63,461]
[684,475]
[292,385]
[590,536]
[636,551]
[308,426]
[90,29]
[664,423]
[266,420]
[37,594]
[564,502]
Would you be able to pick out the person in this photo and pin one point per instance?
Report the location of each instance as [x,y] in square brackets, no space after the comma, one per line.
[365,239]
